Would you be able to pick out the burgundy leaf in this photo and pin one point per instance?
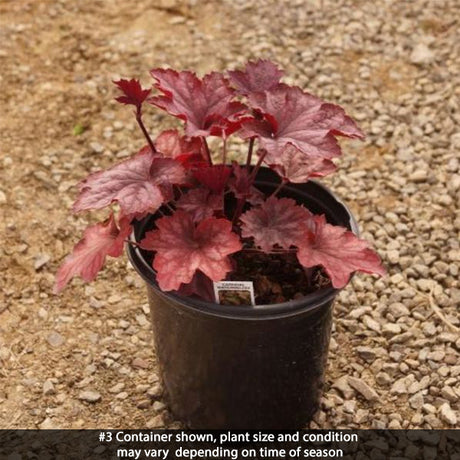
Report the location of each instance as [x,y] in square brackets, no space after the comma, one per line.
[88,256]
[192,161]
[338,250]
[182,248]
[204,104]
[200,286]
[277,221]
[241,186]
[213,177]
[294,117]
[260,75]
[133,92]
[172,145]
[295,166]
[187,151]
[139,184]
[200,203]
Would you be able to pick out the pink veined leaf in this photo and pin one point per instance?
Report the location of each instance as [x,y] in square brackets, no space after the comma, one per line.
[277,221]
[291,116]
[172,145]
[213,177]
[133,94]
[339,251]
[139,184]
[182,248]
[200,286]
[200,203]
[240,185]
[295,166]
[88,256]
[261,75]
[204,104]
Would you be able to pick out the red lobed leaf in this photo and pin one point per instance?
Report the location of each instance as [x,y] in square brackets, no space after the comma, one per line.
[204,104]
[241,186]
[295,166]
[200,203]
[133,92]
[182,248]
[192,161]
[187,151]
[291,116]
[277,221]
[88,256]
[213,177]
[258,75]
[139,184]
[338,250]
[172,145]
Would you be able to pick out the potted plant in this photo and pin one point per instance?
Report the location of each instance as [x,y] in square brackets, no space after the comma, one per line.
[242,262]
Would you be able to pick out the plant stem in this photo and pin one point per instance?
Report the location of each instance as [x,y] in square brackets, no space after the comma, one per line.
[280,186]
[146,134]
[179,190]
[257,167]
[224,151]
[208,152]
[170,207]
[251,147]
[242,201]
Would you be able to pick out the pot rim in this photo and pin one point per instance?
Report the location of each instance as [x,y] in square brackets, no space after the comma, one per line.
[311,302]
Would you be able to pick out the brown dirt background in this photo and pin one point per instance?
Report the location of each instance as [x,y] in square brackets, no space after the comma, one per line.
[57,60]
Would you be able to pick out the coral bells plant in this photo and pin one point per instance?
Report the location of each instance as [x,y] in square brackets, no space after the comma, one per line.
[212,223]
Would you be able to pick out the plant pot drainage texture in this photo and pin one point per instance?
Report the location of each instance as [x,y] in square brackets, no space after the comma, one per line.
[243,367]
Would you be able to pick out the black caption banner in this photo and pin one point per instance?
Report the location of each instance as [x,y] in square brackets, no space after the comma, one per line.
[253,444]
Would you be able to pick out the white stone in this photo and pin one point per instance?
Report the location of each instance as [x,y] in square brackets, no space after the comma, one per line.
[48,388]
[447,414]
[421,54]
[90,396]
[363,388]
[399,387]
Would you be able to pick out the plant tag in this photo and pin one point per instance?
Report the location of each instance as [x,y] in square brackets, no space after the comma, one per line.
[234,292]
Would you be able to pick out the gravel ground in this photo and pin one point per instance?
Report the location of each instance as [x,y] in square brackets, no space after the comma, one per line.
[85,358]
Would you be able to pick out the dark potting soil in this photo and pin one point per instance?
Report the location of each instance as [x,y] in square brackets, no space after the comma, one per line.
[277,277]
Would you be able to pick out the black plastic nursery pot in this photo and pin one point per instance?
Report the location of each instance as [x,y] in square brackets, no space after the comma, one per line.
[244,367]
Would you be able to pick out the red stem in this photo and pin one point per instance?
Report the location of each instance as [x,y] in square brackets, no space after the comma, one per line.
[280,186]
[224,151]
[257,167]
[179,190]
[242,201]
[251,147]
[208,152]
[146,134]
[170,207]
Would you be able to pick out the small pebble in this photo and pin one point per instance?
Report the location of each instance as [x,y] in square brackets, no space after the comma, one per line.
[55,339]
[363,388]
[41,260]
[155,422]
[447,414]
[89,396]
